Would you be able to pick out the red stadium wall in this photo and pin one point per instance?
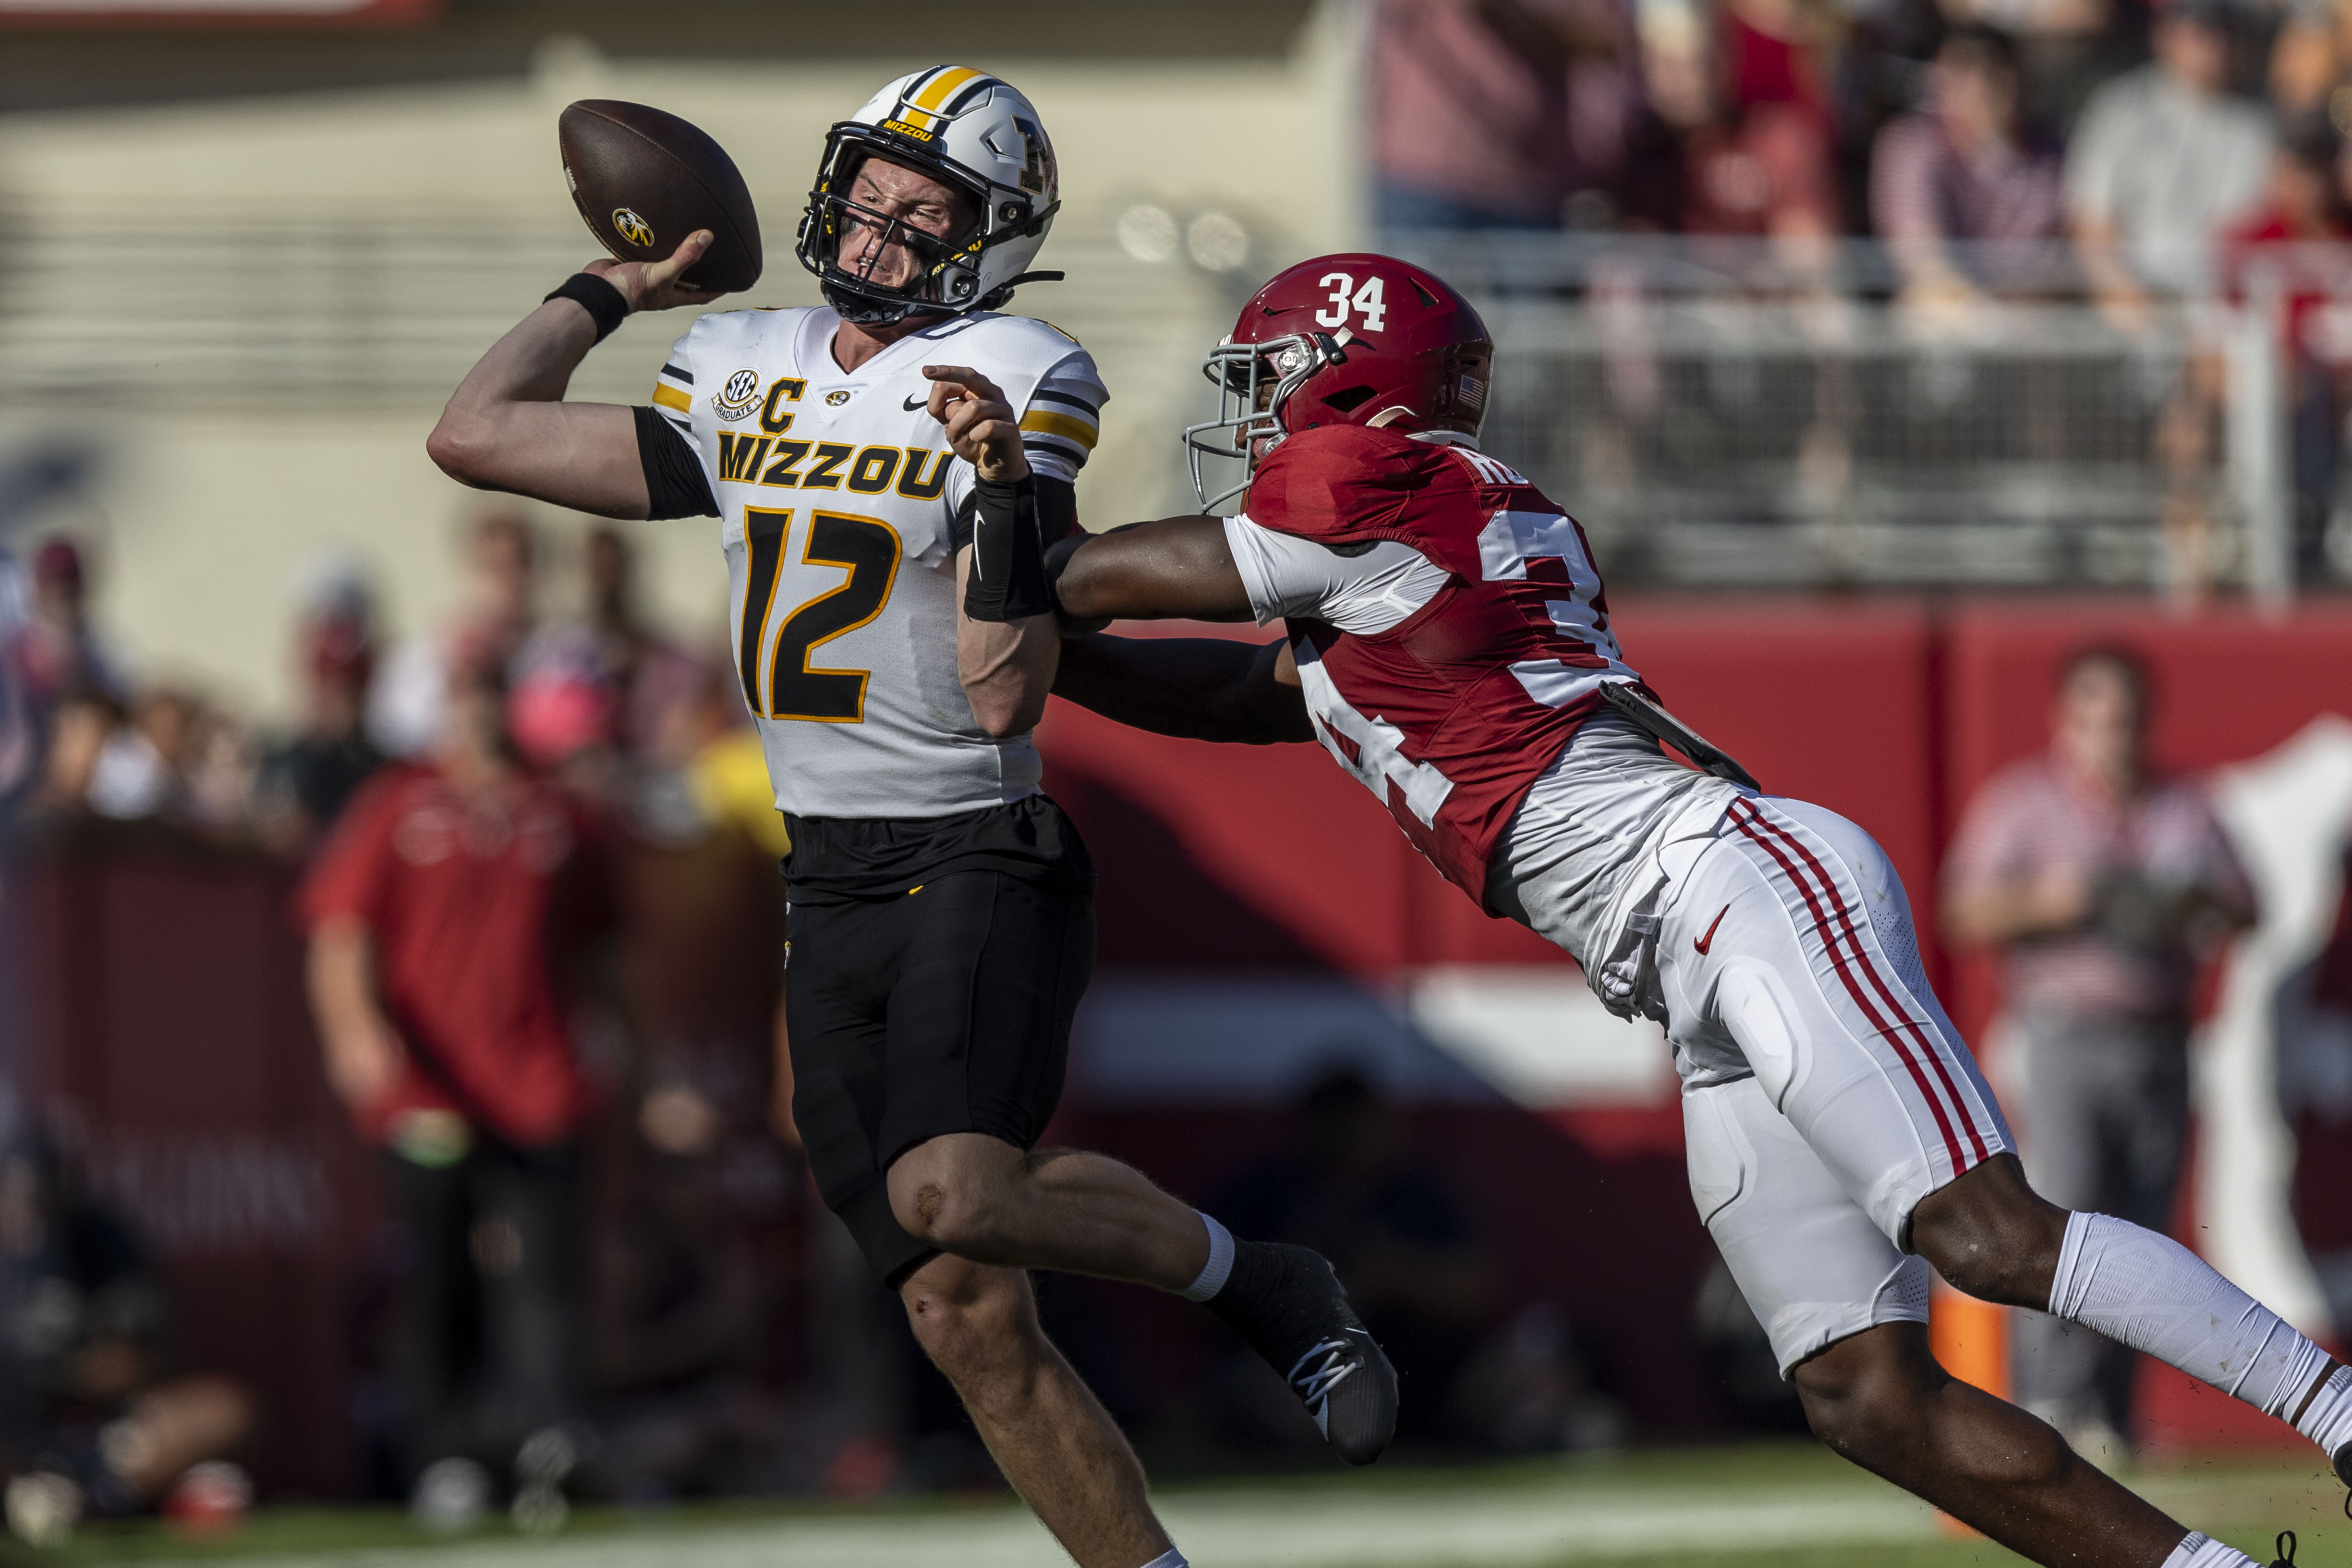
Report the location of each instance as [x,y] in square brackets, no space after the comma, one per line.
[171,1028]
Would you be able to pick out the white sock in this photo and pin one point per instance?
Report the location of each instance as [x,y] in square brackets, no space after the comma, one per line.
[2153,1294]
[2195,1550]
[2328,1422]
[1211,1280]
[1172,1558]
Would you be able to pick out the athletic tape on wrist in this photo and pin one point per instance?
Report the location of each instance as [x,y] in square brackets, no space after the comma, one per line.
[605,302]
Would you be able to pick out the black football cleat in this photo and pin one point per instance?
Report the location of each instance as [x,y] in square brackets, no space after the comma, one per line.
[2344,1473]
[1287,1303]
[2285,1558]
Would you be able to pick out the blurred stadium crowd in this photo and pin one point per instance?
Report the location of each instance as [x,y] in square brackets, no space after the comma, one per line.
[2151,134]
[1970,163]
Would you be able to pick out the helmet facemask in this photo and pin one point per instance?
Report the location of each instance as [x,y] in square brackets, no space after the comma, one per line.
[947,280]
[1255,381]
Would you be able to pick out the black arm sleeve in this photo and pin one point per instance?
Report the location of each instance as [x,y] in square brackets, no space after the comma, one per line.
[1057,512]
[1199,689]
[675,484]
[1008,553]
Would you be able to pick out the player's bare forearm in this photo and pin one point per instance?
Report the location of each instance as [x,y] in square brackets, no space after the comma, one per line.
[1006,666]
[1199,689]
[360,1045]
[507,426]
[1176,568]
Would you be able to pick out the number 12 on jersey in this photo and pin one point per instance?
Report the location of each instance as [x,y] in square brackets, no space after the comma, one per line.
[869,548]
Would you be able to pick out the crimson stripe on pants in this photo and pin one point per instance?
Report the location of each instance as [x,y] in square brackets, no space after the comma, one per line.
[1747,824]
[1886,992]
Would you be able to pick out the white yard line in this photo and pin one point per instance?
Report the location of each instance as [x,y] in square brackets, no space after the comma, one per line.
[1258,1527]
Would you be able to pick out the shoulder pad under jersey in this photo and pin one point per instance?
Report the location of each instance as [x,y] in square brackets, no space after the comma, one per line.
[1338,483]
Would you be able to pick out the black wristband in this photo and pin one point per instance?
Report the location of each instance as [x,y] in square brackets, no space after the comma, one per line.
[1008,557]
[606,305]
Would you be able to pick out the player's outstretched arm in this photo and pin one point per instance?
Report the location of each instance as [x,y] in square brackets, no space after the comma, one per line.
[1201,688]
[507,426]
[1176,568]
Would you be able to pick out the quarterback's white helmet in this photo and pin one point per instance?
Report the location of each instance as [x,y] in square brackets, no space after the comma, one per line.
[978,135]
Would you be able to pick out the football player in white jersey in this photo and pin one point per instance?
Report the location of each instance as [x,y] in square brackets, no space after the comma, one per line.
[1448,641]
[895,644]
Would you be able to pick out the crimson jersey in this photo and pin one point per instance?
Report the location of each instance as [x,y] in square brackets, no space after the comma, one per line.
[1451,713]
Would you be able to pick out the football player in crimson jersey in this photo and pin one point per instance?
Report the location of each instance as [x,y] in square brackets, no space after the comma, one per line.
[1448,642]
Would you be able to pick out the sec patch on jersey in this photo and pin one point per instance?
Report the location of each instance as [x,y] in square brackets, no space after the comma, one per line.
[643,179]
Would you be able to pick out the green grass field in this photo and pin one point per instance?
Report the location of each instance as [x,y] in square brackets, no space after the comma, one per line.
[1760,1506]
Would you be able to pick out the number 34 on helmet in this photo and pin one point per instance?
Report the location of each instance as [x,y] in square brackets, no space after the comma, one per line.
[1351,339]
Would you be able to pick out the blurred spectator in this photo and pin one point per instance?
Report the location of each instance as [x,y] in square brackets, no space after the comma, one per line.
[447,912]
[1495,113]
[2163,161]
[106,1430]
[2104,885]
[171,757]
[2310,59]
[1424,1284]
[691,1294]
[2270,253]
[565,711]
[2066,48]
[652,674]
[1736,136]
[590,697]
[306,779]
[20,729]
[56,653]
[1960,194]
[502,555]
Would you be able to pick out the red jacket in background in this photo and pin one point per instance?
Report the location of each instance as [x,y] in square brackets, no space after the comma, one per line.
[474,907]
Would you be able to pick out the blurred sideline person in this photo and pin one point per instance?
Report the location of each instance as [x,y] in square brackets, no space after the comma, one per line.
[1450,643]
[894,645]
[307,780]
[1958,191]
[2164,160]
[103,1429]
[501,551]
[2103,886]
[445,913]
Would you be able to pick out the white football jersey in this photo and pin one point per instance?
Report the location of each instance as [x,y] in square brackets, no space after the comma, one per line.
[837,499]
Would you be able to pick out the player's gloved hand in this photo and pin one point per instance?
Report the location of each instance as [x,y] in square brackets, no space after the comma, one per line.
[981,427]
[652,285]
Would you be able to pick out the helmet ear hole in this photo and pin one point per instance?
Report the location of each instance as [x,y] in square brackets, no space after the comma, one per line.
[1349,399]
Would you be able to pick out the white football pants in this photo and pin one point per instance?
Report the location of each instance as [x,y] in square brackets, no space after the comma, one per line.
[1786,941]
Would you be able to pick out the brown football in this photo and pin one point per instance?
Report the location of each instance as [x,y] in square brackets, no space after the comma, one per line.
[643,180]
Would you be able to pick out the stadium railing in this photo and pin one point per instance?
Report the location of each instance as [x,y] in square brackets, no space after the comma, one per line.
[1740,412]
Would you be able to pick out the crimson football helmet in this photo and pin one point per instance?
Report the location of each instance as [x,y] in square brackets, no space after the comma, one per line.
[1353,339]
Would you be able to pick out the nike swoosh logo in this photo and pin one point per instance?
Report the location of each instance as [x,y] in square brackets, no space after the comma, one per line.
[1703,944]
[914,402]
